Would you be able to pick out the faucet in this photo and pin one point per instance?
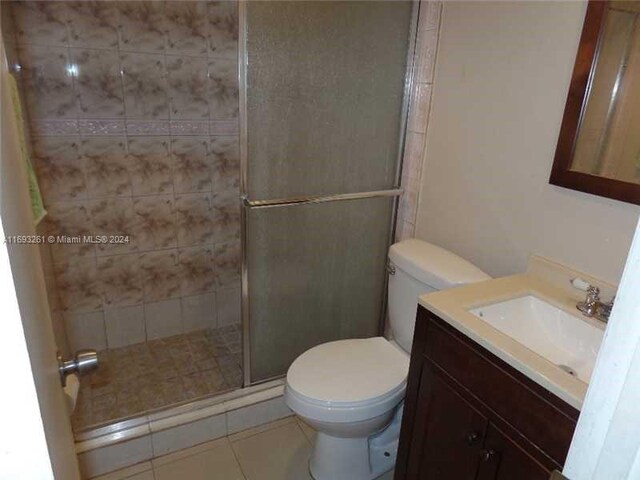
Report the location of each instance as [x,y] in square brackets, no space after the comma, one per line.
[592,306]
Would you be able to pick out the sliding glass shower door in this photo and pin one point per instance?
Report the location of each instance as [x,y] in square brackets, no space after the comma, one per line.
[323,108]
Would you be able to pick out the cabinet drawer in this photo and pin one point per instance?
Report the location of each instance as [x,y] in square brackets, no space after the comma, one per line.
[542,418]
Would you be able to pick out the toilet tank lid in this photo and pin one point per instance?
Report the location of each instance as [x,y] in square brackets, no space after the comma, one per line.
[433,265]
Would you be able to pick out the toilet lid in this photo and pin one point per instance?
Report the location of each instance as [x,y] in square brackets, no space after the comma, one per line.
[353,370]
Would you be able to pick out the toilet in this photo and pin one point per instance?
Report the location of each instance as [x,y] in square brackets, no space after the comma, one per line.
[352,391]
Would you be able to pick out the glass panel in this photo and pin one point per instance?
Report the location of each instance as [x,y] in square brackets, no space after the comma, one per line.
[316,274]
[325,83]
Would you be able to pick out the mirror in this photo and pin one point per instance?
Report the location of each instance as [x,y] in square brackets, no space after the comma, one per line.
[599,145]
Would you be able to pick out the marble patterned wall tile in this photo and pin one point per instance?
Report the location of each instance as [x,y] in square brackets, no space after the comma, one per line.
[78,285]
[196,270]
[223,29]
[69,219]
[191,164]
[193,219]
[188,87]
[114,217]
[145,86]
[47,82]
[225,216]
[98,84]
[160,275]
[150,163]
[227,259]
[143,27]
[106,169]
[155,222]
[93,24]
[223,88]
[225,163]
[60,168]
[121,280]
[186,27]
[43,23]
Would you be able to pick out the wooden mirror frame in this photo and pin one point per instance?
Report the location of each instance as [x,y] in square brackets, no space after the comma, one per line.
[561,173]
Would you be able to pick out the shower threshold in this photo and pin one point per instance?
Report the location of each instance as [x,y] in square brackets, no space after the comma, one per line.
[148,377]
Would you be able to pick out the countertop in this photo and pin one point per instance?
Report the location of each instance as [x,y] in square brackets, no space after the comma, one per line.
[453,306]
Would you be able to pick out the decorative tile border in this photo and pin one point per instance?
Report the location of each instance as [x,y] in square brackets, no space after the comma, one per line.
[147,127]
[189,128]
[101,127]
[132,128]
[54,127]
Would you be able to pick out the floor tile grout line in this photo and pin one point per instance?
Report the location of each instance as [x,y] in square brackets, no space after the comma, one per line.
[302,432]
[235,455]
[280,422]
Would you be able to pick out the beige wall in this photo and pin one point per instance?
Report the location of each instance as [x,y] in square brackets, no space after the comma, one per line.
[502,76]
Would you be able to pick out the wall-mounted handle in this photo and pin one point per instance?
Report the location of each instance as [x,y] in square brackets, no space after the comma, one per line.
[472,438]
[488,455]
[83,362]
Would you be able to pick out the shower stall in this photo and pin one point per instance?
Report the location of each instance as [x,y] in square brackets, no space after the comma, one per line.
[248,152]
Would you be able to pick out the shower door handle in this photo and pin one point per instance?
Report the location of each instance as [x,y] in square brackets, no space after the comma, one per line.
[83,362]
[338,197]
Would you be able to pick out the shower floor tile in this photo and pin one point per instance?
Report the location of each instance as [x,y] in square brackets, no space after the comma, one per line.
[160,373]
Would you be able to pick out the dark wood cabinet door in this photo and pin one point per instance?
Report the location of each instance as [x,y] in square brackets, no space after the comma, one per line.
[449,432]
[502,459]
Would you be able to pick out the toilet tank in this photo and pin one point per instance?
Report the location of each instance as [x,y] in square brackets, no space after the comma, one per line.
[418,267]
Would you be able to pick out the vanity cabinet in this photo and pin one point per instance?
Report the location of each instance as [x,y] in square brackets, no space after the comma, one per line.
[470,415]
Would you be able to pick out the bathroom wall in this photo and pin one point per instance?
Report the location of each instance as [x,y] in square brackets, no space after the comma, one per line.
[133,108]
[501,79]
[419,106]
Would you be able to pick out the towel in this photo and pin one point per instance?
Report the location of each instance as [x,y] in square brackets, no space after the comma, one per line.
[37,205]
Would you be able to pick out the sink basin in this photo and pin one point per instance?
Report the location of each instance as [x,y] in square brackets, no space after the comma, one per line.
[563,339]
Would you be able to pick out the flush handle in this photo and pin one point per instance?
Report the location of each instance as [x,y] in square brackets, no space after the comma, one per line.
[83,362]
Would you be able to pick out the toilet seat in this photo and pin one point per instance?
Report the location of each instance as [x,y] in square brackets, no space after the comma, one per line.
[347,380]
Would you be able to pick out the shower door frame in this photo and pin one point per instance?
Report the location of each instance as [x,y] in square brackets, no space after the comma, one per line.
[246,203]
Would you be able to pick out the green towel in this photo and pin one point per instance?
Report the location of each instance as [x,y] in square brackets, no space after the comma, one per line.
[37,205]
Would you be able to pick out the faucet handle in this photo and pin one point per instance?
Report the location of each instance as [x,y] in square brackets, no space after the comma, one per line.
[593,292]
[581,284]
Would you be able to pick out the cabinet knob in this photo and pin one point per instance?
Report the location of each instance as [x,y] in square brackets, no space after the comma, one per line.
[488,455]
[472,438]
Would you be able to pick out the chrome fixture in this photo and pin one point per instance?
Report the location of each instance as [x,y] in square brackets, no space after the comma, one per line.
[391,269]
[592,306]
[287,202]
[83,362]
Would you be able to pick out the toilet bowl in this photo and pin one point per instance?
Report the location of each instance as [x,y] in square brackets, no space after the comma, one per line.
[348,391]
[351,391]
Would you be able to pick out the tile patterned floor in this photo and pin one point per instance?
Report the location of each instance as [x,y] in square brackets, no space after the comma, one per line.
[277,451]
[153,375]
